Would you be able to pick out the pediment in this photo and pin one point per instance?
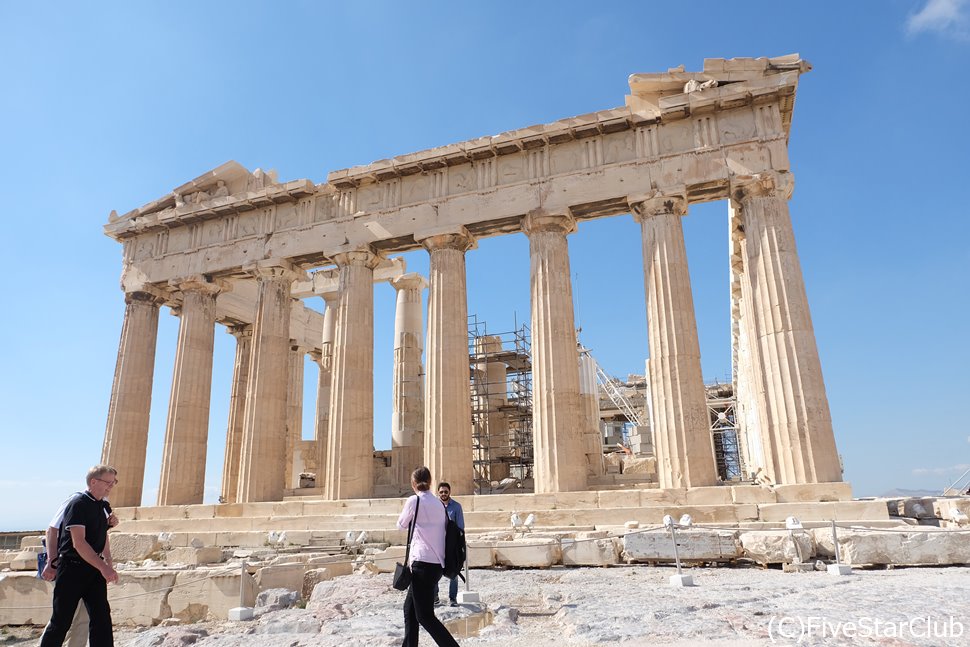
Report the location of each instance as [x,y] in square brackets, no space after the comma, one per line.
[721,80]
[216,186]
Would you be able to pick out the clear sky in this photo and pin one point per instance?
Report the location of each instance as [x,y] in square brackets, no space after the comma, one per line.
[110,105]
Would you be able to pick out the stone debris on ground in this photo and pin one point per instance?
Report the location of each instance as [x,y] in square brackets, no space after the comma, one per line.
[575,607]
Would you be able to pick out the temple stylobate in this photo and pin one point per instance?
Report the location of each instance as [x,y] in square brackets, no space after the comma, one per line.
[244,249]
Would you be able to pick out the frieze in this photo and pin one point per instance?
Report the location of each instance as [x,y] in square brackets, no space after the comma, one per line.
[670,133]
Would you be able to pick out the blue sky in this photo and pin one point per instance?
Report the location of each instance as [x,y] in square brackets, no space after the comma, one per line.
[111,105]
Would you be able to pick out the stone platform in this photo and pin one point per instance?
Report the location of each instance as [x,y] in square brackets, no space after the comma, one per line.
[720,505]
[190,563]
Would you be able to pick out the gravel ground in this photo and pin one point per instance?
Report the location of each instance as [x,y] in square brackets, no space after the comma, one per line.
[573,607]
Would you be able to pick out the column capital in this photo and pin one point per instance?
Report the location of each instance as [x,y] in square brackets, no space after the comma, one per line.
[329,296]
[363,256]
[447,238]
[316,355]
[273,268]
[647,205]
[240,330]
[200,283]
[770,184]
[149,297]
[411,280]
[540,221]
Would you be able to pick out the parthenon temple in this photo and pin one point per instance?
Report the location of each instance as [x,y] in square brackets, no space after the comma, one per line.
[246,250]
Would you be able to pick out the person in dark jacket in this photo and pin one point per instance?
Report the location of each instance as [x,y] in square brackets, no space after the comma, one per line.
[454,512]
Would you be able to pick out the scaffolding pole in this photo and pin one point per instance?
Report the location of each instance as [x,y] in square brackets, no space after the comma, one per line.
[500,380]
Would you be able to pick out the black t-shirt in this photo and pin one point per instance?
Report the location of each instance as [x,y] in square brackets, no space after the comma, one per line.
[83,510]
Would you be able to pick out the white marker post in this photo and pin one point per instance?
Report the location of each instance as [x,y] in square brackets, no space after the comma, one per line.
[838,568]
[242,612]
[468,596]
[679,579]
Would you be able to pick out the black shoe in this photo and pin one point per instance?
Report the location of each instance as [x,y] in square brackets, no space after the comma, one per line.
[453,602]
[437,602]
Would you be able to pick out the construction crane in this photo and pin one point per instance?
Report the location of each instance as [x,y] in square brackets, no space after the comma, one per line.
[612,388]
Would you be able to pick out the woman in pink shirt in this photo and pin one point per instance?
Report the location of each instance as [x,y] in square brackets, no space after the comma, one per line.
[427,560]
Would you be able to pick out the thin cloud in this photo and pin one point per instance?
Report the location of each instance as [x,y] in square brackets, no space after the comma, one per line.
[953,469]
[945,17]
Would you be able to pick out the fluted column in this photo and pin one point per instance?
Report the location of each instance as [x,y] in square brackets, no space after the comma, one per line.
[324,359]
[589,406]
[407,416]
[560,459]
[350,455]
[447,411]
[294,418]
[126,433]
[681,431]
[798,441]
[747,420]
[237,411]
[186,436]
[264,428]
[489,398]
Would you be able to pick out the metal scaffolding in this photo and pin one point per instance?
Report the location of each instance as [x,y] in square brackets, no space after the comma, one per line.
[617,421]
[724,432]
[500,380]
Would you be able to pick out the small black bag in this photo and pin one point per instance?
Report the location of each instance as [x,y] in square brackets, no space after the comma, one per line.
[402,572]
[402,577]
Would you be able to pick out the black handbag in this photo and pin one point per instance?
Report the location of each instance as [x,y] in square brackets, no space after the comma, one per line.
[402,572]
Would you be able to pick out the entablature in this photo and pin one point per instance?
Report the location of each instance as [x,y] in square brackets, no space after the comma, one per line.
[692,142]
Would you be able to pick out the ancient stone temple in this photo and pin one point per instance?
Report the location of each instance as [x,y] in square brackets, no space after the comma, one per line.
[244,249]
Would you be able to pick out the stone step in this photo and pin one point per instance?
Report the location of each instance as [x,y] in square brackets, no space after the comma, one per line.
[336,525]
[602,499]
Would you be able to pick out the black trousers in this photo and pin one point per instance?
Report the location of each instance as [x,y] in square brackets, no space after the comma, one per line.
[77,581]
[419,607]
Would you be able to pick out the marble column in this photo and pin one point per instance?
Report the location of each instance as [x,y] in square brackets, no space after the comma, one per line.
[126,434]
[447,410]
[294,418]
[186,436]
[798,441]
[407,416]
[560,459]
[744,379]
[681,427]
[350,455]
[237,411]
[490,396]
[264,428]
[589,405]
[324,359]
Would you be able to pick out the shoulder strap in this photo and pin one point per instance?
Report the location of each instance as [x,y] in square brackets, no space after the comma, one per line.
[407,551]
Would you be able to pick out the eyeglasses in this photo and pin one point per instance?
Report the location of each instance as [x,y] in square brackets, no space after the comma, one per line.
[108,483]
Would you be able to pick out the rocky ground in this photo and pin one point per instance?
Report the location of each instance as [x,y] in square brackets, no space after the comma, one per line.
[572,607]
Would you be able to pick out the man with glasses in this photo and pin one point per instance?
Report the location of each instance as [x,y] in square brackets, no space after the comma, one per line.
[453,508]
[83,562]
[78,634]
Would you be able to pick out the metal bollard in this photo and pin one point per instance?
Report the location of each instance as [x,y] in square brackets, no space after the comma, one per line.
[242,612]
[838,568]
[679,579]
[242,584]
[468,596]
